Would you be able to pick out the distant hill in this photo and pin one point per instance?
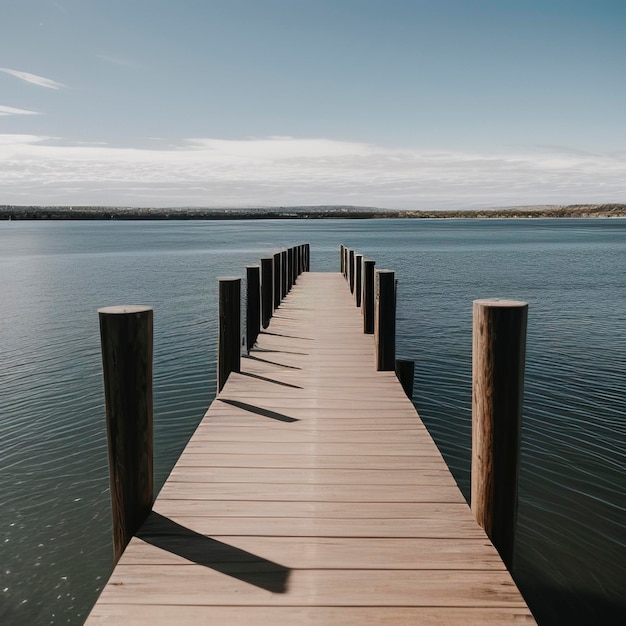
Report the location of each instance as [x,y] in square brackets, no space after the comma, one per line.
[9,212]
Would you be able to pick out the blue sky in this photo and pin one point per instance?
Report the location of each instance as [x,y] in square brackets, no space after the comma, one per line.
[400,104]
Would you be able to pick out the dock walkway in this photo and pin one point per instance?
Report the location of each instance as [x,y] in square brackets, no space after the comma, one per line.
[311,493]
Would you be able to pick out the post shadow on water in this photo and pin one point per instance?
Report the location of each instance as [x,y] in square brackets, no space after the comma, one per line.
[270,380]
[256,358]
[552,606]
[162,532]
[258,410]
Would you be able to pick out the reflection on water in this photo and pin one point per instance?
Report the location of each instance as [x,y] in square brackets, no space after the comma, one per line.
[55,515]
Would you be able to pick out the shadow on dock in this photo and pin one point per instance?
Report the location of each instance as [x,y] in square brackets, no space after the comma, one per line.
[256,358]
[258,410]
[166,534]
[270,380]
[267,332]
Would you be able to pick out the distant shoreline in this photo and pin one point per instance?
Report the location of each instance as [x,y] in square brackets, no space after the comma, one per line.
[11,212]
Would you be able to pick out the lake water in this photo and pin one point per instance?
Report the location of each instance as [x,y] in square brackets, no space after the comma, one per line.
[570,557]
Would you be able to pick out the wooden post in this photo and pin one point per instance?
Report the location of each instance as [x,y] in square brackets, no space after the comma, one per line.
[358,269]
[277,280]
[298,261]
[368,300]
[283,274]
[499,347]
[290,280]
[351,271]
[345,263]
[267,290]
[307,257]
[405,371]
[253,304]
[341,248]
[229,341]
[385,321]
[126,340]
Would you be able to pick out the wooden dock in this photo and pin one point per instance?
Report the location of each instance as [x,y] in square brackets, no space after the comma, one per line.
[311,493]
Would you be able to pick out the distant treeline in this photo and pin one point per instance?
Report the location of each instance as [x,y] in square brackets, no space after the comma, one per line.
[8,212]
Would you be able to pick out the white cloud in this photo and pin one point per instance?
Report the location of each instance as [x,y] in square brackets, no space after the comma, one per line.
[58,6]
[5,110]
[33,78]
[116,60]
[289,171]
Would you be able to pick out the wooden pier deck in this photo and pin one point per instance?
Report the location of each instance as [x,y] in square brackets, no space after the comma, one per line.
[311,493]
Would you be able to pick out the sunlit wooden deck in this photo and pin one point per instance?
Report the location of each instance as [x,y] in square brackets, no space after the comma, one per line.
[311,493]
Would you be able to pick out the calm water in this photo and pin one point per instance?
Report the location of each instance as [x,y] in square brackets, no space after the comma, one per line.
[55,512]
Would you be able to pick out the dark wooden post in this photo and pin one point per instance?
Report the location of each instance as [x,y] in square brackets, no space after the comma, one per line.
[368,301]
[229,341]
[351,271]
[283,273]
[290,279]
[405,371]
[345,263]
[499,348]
[253,304]
[267,290]
[126,340]
[358,270]
[277,280]
[298,257]
[307,257]
[385,320]
[341,268]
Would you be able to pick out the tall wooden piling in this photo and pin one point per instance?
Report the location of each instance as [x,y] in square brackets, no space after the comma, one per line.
[267,290]
[291,277]
[368,298]
[253,304]
[385,320]
[229,340]
[341,259]
[351,270]
[278,281]
[358,272]
[126,340]
[283,274]
[307,257]
[498,358]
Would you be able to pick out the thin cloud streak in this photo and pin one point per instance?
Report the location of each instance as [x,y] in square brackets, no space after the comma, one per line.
[6,110]
[34,79]
[116,60]
[286,171]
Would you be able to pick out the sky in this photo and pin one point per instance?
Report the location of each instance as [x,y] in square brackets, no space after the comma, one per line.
[402,104]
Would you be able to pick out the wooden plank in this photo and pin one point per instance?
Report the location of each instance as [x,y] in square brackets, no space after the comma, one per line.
[310,492]
[335,552]
[286,461]
[298,508]
[313,615]
[199,585]
[307,476]
[317,526]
